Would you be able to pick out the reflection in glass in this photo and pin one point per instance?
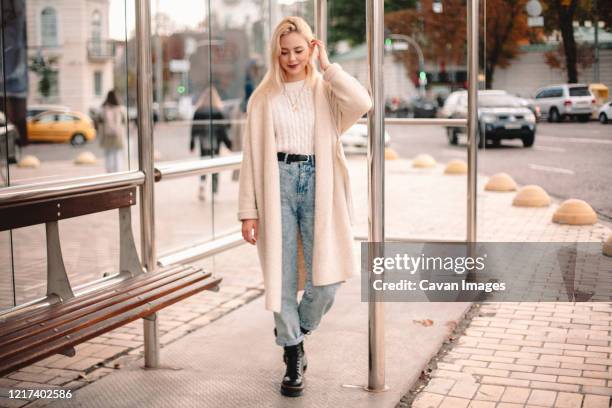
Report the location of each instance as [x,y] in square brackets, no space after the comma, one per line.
[65,76]
[48,27]
[53,86]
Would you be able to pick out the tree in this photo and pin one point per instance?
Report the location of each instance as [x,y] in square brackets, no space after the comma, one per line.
[560,15]
[557,58]
[506,25]
[46,70]
[347,19]
[443,36]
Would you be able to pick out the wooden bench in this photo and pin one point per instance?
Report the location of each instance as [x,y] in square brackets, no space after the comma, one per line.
[63,320]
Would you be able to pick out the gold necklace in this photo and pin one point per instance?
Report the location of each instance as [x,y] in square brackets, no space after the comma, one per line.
[293,104]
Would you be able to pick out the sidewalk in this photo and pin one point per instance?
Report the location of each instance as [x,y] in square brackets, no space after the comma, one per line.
[546,351]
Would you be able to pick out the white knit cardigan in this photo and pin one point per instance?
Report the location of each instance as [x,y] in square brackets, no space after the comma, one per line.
[339,101]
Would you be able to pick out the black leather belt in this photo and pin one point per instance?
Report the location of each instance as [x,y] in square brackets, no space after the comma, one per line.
[290,158]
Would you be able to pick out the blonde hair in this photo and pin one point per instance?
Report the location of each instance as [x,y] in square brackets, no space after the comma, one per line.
[273,79]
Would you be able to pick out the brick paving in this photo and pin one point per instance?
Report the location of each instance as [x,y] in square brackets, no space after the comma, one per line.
[510,355]
[527,354]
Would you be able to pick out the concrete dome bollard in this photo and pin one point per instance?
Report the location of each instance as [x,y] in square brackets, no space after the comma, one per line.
[607,247]
[575,212]
[29,161]
[531,196]
[423,161]
[85,158]
[390,154]
[501,182]
[456,167]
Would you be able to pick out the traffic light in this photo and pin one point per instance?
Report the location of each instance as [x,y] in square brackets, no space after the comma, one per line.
[180,89]
[422,78]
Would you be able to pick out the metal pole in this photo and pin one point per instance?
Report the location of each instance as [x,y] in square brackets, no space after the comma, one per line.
[472,125]
[376,170]
[159,64]
[419,52]
[321,20]
[145,161]
[596,18]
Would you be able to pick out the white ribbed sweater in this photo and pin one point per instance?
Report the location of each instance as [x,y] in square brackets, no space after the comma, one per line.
[294,131]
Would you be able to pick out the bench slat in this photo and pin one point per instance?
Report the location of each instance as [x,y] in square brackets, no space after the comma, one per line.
[52,347]
[45,210]
[61,315]
[36,316]
[68,328]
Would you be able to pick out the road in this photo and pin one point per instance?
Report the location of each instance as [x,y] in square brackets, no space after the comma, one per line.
[569,160]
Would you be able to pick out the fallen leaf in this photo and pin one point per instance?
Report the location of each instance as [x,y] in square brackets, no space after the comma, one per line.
[451,325]
[425,323]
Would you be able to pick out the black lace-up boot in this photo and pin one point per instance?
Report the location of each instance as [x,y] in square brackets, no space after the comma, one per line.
[293,381]
[305,332]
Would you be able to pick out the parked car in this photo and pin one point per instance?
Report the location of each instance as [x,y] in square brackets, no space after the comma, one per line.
[61,126]
[500,116]
[8,140]
[355,139]
[421,107]
[532,106]
[34,110]
[397,107]
[558,102]
[605,113]
[450,104]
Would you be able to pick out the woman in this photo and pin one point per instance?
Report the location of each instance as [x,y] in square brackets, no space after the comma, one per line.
[111,131]
[294,121]
[208,107]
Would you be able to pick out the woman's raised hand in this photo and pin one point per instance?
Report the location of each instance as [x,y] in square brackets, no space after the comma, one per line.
[323,59]
[249,231]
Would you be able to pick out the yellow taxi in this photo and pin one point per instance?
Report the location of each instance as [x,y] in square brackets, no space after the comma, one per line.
[601,94]
[61,126]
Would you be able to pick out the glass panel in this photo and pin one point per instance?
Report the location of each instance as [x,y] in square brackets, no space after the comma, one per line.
[238,64]
[425,76]
[579,91]
[52,90]
[13,92]
[181,59]
[72,63]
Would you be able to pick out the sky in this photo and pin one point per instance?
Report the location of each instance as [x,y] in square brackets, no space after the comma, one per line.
[184,13]
[188,14]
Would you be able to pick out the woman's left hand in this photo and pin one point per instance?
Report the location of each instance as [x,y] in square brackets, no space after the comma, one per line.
[323,60]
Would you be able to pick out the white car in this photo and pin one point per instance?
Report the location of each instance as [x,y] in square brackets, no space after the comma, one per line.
[355,139]
[605,113]
[557,102]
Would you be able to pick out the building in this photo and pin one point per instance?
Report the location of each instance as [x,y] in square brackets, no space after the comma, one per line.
[70,55]
[529,70]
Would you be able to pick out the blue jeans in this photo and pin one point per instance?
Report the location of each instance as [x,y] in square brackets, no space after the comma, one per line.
[297,185]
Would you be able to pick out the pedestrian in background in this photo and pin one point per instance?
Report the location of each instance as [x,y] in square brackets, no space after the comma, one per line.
[208,107]
[294,120]
[111,131]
